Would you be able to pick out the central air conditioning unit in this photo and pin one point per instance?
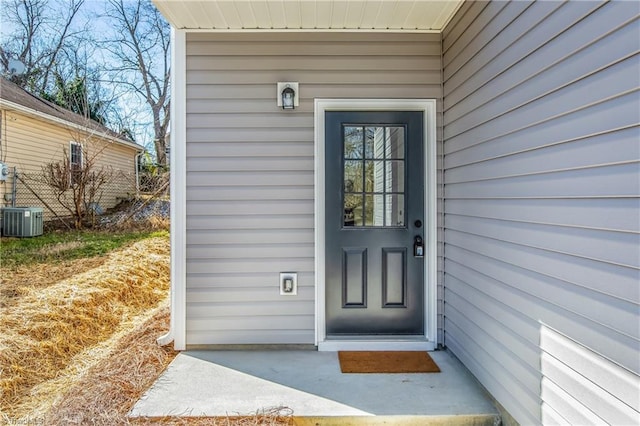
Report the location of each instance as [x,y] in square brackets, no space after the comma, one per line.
[22,221]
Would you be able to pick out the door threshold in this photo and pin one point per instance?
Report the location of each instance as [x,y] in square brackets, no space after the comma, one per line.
[364,344]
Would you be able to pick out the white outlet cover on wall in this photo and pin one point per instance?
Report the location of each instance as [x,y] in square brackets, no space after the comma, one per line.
[288,283]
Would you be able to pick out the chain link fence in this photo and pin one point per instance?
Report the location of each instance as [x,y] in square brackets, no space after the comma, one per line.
[32,190]
[119,189]
[153,180]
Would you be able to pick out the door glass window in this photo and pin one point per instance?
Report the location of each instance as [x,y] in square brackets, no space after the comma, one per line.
[374,176]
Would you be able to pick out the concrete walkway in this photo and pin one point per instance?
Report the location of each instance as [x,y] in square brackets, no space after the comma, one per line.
[231,383]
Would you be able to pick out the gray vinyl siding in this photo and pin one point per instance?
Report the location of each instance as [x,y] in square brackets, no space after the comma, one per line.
[250,167]
[541,225]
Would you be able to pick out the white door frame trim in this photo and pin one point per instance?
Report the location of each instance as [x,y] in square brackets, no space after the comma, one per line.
[428,107]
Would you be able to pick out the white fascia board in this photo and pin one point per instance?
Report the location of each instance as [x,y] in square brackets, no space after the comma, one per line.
[12,106]
[307,30]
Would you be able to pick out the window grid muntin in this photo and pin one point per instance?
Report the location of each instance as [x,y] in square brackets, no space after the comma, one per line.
[362,155]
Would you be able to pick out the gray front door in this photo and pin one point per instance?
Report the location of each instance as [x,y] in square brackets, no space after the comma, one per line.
[374,212]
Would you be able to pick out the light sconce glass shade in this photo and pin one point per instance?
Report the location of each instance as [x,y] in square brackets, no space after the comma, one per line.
[288,97]
[287,94]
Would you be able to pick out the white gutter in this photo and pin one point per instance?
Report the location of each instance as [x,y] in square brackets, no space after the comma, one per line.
[178,158]
[34,113]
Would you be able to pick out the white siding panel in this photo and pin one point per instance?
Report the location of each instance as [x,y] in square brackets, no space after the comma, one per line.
[614,343]
[242,280]
[338,77]
[258,236]
[573,412]
[612,280]
[589,303]
[542,199]
[621,78]
[237,149]
[250,178]
[284,63]
[529,81]
[603,403]
[520,338]
[480,31]
[253,322]
[386,88]
[240,295]
[240,222]
[618,248]
[250,167]
[617,114]
[201,44]
[234,310]
[239,337]
[616,214]
[609,148]
[549,19]
[283,134]
[270,266]
[256,251]
[592,367]
[241,164]
[251,207]
[244,193]
[609,214]
[483,362]
[237,122]
[617,180]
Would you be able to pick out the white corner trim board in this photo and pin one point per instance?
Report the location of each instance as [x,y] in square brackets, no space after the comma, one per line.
[177,331]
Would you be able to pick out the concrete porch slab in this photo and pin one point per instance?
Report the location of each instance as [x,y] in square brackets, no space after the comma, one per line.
[232,383]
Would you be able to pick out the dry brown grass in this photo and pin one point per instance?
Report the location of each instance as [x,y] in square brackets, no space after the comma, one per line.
[150,223]
[79,341]
[48,327]
[279,416]
[21,281]
[108,391]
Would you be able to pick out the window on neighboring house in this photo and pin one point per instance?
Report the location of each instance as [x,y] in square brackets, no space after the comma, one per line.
[75,162]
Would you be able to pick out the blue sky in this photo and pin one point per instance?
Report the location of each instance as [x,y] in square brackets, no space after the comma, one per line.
[99,26]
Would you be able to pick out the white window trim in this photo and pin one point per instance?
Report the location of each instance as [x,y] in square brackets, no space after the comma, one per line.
[428,107]
[71,145]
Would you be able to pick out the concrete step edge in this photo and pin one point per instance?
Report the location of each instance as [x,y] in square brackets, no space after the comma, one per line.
[403,420]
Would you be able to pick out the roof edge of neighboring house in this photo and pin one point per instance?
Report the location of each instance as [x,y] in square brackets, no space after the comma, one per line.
[93,127]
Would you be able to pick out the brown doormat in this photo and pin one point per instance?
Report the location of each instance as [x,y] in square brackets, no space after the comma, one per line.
[386,362]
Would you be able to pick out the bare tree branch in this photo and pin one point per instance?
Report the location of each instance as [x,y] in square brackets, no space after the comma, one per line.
[42,32]
[74,6]
[140,48]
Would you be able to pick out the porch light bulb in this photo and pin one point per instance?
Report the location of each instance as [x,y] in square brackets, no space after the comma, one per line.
[288,96]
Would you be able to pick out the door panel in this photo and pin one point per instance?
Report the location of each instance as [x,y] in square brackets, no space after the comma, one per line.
[394,277]
[374,207]
[354,279]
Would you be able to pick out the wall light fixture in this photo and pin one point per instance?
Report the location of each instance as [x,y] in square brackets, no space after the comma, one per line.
[288,97]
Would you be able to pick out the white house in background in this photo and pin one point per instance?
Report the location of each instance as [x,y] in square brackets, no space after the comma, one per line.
[505,135]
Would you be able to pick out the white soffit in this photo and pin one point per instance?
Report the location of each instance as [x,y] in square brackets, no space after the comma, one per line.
[309,15]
